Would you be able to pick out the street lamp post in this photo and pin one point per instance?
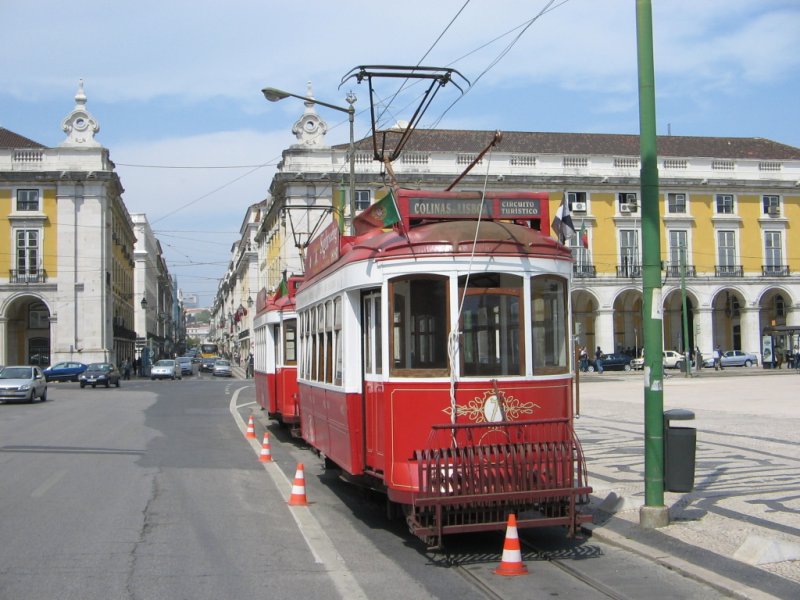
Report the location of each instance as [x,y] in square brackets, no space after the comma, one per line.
[275,95]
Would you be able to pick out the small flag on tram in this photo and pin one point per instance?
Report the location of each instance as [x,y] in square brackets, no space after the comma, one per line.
[283,289]
[562,222]
[382,214]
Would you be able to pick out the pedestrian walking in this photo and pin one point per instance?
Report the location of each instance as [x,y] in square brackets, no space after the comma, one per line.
[126,369]
[717,359]
[250,364]
[598,360]
[584,359]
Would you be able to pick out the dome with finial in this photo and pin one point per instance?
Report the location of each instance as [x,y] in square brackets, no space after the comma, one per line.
[80,126]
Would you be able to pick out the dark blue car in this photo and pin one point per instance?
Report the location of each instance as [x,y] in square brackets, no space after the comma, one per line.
[64,371]
[612,362]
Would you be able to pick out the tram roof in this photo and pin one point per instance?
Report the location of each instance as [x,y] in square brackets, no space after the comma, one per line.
[436,239]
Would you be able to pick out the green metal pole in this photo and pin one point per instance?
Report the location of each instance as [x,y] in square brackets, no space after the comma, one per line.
[653,513]
[687,343]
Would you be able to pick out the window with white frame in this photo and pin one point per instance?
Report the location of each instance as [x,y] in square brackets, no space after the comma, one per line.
[362,199]
[676,203]
[27,251]
[726,247]
[627,202]
[577,201]
[579,246]
[27,200]
[678,246]
[773,252]
[771,204]
[724,204]
[629,252]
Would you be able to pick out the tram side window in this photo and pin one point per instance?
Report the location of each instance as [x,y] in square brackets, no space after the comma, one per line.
[290,342]
[371,331]
[312,351]
[276,341]
[493,340]
[329,341]
[549,326]
[300,345]
[337,333]
[321,343]
[419,330]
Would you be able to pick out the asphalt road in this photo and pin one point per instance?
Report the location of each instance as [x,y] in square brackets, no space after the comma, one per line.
[151,491]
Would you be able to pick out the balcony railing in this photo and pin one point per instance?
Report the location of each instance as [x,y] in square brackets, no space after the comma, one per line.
[27,276]
[675,271]
[775,270]
[629,271]
[729,271]
[584,270]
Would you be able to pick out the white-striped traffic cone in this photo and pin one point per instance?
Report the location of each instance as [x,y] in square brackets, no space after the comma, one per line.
[251,429]
[266,455]
[298,497]
[511,563]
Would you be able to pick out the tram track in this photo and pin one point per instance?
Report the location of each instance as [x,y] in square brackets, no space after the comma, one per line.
[473,569]
[561,564]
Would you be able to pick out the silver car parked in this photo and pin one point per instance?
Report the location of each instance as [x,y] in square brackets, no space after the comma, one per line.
[23,382]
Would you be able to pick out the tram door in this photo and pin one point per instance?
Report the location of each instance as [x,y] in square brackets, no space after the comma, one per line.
[372,377]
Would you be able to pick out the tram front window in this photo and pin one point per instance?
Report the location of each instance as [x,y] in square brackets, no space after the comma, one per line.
[492,342]
[549,327]
[419,326]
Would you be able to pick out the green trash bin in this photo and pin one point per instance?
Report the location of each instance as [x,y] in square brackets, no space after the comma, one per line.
[680,445]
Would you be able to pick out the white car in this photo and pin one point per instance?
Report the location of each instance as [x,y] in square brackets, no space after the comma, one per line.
[222,368]
[165,369]
[671,359]
[23,382]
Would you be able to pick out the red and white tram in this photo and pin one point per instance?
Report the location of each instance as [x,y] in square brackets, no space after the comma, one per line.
[434,361]
[275,356]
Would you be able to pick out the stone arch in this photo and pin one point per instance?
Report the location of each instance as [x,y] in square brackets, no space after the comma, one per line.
[726,318]
[628,332]
[26,333]
[584,313]
[774,304]
[673,326]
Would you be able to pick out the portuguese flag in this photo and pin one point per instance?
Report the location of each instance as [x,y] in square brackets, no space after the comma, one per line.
[283,289]
[380,215]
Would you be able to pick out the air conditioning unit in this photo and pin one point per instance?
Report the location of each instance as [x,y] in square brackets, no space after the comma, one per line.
[579,206]
[774,211]
[625,208]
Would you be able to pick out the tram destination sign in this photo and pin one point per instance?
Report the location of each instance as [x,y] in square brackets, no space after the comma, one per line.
[323,250]
[470,208]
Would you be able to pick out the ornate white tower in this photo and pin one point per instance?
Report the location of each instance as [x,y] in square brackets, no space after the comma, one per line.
[80,126]
[310,129]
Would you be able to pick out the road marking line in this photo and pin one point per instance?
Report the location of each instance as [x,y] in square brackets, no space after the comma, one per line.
[319,544]
[48,483]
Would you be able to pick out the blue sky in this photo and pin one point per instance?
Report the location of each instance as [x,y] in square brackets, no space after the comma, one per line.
[175,85]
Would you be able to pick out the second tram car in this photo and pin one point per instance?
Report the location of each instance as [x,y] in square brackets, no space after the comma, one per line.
[275,357]
[434,362]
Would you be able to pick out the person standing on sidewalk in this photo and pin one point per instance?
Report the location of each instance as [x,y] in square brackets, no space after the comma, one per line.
[584,356]
[717,359]
[598,360]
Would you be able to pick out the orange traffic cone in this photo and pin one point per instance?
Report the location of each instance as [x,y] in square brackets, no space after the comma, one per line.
[266,455]
[251,429]
[511,563]
[298,497]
